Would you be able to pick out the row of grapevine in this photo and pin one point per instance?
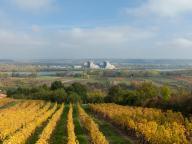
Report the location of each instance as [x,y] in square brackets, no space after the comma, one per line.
[21,136]
[150,125]
[20,105]
[95,134]
[13,120]
[71,127]
[45,136]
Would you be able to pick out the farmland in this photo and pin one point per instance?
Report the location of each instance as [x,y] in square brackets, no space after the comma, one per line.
[96,72]
[43,122]
[91,106]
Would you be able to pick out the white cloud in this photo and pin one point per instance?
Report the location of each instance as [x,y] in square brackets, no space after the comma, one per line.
[164,8]
[173,47]
[34,5]
[107,35]
[17,39]
[100,42]
[73,42]
[181,43]
[177,47]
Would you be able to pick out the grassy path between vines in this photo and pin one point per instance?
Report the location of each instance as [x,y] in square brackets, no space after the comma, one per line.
[113,135]
[59,135]
[79,131]
[35,136]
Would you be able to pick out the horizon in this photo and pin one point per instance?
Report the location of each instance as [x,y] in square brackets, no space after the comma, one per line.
[55,29]
[31,59]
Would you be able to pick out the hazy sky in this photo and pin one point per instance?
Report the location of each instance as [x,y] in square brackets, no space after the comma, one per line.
[95,29]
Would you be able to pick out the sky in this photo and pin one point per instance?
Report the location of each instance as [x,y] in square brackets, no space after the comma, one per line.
[62,29]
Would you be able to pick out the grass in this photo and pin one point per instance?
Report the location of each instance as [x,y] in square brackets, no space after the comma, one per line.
[79,131]
[35,136]
[111,133]
[59,135]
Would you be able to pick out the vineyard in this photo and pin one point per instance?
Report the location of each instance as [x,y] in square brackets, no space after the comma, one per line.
[41,122]
[149,125]
[5,101]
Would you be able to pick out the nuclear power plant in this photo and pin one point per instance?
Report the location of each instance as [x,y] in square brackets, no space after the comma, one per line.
[103,65]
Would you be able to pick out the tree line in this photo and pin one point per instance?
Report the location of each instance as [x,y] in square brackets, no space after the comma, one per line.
[144,94]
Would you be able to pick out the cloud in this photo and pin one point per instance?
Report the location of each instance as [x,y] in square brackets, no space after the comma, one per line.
[4,19]
[175,47]
[73,42]
[17,44]
[163,8]
[34,5]
[180,43]
[17,40]
[99,42]
[107,35]
[35,28]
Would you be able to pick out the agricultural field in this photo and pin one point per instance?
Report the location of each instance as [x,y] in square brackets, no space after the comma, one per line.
[31,82]
[42,122]
[149,125]
[5,102]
